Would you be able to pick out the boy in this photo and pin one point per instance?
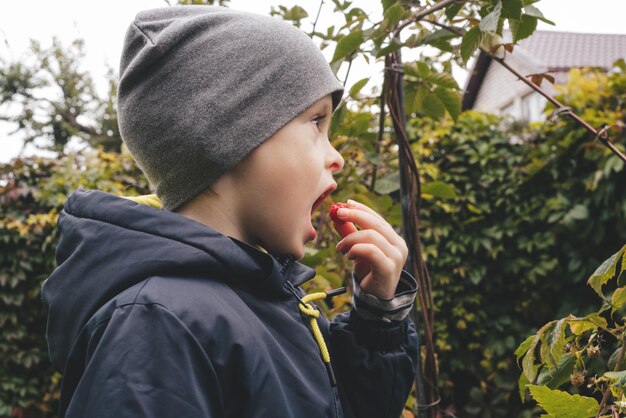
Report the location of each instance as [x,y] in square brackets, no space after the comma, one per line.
[196,310]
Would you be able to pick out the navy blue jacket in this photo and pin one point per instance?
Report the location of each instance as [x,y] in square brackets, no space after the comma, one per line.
[152,314]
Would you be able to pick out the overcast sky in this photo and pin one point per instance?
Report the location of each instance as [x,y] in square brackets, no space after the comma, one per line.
[102,24]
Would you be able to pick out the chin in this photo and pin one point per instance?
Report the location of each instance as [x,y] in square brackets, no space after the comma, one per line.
[298,255]
[296,251]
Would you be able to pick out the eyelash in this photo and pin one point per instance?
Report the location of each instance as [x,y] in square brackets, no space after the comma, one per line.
[318,119]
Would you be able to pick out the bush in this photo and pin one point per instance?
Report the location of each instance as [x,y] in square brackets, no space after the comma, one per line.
[32,193]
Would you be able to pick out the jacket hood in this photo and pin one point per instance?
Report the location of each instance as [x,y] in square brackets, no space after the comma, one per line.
[108,244]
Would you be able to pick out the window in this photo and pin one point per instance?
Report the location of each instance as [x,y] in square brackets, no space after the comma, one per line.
[532,107]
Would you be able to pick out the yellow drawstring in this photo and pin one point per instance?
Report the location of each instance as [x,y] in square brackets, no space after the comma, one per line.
[308,309]
[146,199]
[313,314]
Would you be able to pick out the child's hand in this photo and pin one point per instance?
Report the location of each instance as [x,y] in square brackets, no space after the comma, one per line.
[379,253]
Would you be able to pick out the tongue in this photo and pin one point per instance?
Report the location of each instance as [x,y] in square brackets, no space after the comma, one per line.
[314,205]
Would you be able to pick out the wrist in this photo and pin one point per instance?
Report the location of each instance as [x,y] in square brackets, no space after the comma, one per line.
[388,309]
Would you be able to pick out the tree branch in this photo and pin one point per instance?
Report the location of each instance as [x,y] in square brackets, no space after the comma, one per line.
[317,17]
[425,12]
[607,391]
[381,129]
[345,80]
[601,135]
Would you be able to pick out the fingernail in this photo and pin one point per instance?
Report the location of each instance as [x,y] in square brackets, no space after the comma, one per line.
[351,202]
[341,212]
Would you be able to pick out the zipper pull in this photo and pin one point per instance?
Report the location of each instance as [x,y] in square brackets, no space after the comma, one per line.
[289,286]
[335,292]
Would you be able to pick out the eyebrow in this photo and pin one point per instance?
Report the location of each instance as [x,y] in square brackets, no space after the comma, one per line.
[325,108]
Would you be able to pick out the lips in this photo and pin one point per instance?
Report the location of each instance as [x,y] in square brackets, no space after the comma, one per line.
[323,196]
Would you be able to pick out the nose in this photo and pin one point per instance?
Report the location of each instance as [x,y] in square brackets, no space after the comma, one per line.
[334,160]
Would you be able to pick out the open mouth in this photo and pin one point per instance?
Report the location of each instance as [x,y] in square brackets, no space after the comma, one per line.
[323,197]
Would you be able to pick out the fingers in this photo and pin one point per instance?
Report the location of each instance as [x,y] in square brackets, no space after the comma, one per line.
[377,281]
[370,236]
[367,218]
[357,205]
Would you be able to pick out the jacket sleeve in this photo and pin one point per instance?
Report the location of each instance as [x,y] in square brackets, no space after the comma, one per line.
[144,362]
[374,349]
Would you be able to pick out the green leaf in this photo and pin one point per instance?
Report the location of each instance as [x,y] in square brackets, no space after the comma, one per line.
[581,325]
[394,14]
[557,340]
[438,35]
[393,46]
[612,267]
[451,99]
[511,9]
[578,212]
[618,378]
[314,256]
[356,87]
[413,41]
[387,4]
[612,362]
[560,404]
[490,22]
[471,42]
[342,6]
[533,11]
[415,97]
[409,97]
[347,45]
[442,44]
[523,28]
[422,69]
[439,189]
[528,362]
[521,385]
[560,374]
[524,346]
[443,80]
[544,349]
[453,10]
[619,298]
[433,106]
[388,184]
[296,13]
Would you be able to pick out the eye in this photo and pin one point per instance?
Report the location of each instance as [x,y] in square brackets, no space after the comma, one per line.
[318,120]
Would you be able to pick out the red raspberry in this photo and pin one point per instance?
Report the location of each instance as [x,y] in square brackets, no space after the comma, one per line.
[334,207]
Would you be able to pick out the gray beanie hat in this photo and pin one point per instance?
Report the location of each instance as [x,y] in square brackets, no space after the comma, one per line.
[202,86]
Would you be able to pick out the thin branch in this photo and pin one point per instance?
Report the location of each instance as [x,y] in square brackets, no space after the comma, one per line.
[345,80]
[381,130]
[317,17]
[607,391]
[422,14]
[601,135]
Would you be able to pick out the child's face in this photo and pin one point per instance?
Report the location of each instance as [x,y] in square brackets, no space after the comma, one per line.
[279,182]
